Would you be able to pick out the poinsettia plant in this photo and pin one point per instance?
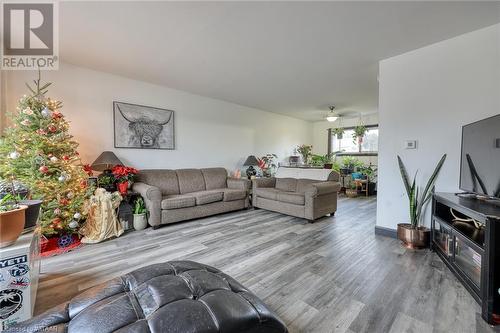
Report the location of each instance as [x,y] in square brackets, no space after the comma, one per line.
[124,173]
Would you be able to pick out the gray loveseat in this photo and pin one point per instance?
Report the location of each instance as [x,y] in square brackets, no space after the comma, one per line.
[184,194]
[292,193]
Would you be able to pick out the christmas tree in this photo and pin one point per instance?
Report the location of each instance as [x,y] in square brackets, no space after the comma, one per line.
[38,151]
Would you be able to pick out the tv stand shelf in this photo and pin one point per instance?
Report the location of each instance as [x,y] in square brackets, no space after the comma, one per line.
[471,253]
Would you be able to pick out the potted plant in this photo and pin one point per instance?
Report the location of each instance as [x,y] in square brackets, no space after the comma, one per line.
[22,194]
[305,152]
[352,192]
[12,219]
[140,212]
[267,164]
[359,133]
[339,132]
[412,234]
[107,181]
[124,177]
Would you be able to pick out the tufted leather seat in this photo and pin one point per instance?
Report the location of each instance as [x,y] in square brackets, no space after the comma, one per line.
[176,296]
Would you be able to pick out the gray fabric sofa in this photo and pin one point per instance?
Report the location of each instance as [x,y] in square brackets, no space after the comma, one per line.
[305,198]
[177,195]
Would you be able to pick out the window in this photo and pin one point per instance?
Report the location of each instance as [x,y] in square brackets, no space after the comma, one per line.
[349,145]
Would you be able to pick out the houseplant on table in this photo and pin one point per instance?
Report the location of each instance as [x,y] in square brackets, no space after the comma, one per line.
[412,234]
[267,164]
[124,176]
[305,152]
[12,219]
[140,215]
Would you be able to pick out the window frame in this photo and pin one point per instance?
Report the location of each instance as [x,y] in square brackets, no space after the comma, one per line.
[363,153]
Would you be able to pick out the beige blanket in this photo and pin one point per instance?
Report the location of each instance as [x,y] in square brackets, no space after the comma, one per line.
[102,222]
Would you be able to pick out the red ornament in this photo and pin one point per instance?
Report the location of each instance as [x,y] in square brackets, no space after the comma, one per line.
[64,201]
[52,128]
[43,169]
[65,157]
[56,115]
[56,221]
[83,184]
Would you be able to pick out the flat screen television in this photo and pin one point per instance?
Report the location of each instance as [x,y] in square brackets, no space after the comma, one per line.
[480,160]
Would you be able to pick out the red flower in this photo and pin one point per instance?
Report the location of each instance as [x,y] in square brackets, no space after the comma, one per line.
[123,173]
[261,164]
[88,169]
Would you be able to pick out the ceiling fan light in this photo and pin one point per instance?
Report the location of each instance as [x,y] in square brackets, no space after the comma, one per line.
[331,118]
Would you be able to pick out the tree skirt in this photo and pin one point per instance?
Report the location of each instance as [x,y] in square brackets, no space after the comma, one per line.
[58,245]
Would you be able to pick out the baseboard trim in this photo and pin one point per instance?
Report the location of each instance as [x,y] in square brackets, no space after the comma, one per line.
[387,232]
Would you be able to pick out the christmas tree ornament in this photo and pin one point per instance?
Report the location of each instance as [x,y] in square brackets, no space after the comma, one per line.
[52,128]
[65,157]
[61,178]
[43,169]
[57,211]
[46,112]
[14,155]
[28,111]
[26,122]
[77,216]
[70,195]
[73,224]
[64,201]
[54,159]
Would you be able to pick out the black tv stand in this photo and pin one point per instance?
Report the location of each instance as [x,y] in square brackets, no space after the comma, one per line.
[471,253]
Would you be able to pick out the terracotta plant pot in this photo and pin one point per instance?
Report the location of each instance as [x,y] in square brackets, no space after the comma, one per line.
[418,238]
[11,225]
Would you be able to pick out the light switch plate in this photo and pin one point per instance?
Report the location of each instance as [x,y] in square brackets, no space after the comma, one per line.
[410,144]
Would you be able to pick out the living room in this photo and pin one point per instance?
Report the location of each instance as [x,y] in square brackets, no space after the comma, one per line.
[253,162]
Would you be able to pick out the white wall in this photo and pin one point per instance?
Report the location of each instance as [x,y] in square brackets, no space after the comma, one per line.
[427,95]
[208,132]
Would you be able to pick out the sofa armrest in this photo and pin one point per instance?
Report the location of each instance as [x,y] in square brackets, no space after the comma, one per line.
[263,182]
[238,184]
[334,177]
[152,199]
[323,188]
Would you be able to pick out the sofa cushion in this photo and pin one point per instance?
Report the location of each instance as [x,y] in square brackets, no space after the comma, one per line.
[268,193]
[291,197]
[215,178]
[177,201]
[303,185]
[233,194]
[165,180]
[286,184]
[190,180]
[206,197]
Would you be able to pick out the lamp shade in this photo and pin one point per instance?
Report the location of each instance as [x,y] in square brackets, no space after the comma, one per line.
[251,161]
[106,161]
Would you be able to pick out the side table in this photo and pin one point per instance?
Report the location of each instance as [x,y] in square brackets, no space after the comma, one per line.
[19,271]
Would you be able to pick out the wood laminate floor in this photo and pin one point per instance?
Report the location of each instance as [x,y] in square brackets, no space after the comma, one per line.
[331,276]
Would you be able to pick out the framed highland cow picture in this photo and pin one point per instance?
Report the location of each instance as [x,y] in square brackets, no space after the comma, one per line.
[143,127]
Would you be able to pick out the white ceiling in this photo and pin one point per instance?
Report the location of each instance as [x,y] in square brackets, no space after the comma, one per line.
[294,58]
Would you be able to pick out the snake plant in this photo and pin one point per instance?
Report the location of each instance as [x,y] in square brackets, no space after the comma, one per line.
[418,199]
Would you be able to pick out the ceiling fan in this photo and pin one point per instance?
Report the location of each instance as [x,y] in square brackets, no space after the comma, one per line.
[332,116]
